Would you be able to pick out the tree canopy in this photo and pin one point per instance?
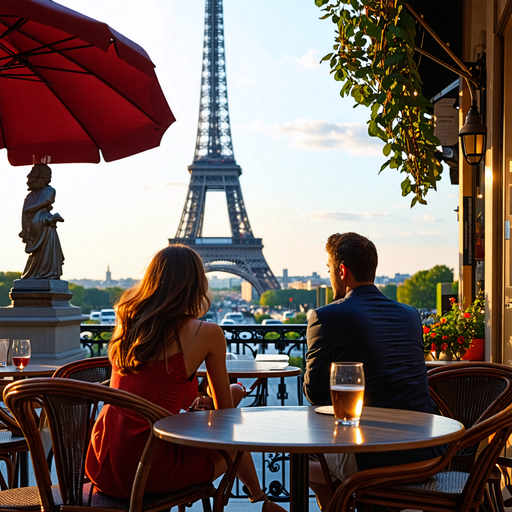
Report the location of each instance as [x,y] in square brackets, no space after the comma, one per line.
[90,299]
[274,298]
[6,281]
[420,290]
[390,290]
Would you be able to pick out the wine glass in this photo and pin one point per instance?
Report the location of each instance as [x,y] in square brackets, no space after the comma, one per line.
[21,353]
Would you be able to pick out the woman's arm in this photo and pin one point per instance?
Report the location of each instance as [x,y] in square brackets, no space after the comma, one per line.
[216,367]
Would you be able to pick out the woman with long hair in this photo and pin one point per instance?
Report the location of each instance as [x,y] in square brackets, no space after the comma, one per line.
[156,348]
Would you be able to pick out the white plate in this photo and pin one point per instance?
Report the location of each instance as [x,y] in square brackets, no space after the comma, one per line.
[325,409]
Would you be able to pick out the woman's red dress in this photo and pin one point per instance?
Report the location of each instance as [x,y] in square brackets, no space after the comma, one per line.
[119,436]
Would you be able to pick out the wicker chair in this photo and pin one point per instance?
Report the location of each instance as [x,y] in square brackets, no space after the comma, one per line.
[12,443]
[479,395]
[93,369]
[68,405]
[96,369]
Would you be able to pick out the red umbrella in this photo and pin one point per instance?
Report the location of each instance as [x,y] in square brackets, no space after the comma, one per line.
[71,86]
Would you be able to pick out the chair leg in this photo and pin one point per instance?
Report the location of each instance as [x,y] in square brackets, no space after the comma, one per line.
[488,504]
[497,495]
[8,459]
[207,506]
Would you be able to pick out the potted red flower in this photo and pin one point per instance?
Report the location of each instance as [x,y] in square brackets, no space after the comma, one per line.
[454,332]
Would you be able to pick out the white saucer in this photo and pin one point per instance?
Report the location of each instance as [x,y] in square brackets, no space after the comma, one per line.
[325,409]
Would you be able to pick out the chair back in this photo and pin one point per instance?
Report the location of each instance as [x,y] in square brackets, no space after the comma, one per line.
[69,406]
[470,393]
[496,429]
[92,369]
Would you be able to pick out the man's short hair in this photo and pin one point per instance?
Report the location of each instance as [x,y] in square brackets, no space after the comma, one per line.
[356,252]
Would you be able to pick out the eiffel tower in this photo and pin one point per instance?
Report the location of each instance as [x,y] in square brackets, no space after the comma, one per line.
[215,169]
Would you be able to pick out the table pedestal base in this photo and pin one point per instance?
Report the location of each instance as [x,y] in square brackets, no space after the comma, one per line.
[299,482]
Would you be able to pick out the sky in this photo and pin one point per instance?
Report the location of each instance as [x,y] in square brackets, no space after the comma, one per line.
[309,167]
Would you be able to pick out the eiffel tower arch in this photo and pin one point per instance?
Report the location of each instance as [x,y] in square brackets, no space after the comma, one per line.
[214,168]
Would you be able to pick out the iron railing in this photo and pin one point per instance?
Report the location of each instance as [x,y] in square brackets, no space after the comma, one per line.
[241,338]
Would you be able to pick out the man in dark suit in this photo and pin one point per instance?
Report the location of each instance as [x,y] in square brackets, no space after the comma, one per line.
[362,325]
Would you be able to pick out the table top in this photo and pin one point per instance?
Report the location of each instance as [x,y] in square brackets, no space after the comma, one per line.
[31,370]
[302,430]
[240,369]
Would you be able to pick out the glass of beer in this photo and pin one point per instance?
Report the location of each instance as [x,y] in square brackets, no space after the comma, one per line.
[347,392]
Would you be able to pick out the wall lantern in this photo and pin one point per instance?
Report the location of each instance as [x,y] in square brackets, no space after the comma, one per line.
[473,136]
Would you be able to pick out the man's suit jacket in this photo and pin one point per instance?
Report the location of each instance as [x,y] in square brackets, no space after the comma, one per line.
[387,338]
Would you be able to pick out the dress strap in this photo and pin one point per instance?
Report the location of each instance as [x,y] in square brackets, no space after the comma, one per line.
[192,340]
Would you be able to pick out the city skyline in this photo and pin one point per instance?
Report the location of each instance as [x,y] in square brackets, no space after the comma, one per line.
[309,169]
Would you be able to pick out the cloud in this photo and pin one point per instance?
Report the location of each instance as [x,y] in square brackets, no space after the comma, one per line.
[310,60]
[449,195]
[425,217]
[320,135]
[400,206]
[344,215]
[145,188]
[404,233]
[428,233]
[347,216]
[175,184]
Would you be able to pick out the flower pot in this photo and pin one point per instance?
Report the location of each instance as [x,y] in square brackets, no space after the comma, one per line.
[476,352]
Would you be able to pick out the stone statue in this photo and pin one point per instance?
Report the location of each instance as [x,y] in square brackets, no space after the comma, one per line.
[39,227]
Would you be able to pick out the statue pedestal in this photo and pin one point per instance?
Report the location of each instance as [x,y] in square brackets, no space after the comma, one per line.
[41,312]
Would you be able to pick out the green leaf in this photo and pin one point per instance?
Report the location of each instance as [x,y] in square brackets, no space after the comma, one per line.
[394,59]
[387,149]
[374,31]
[405,186]
[346,88]
[384,165]
[397,31]
[319,3]
[356,94]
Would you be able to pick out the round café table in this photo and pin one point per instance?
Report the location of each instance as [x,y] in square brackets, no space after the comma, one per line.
[253,369]
[31,370]
[300,431]
[241,368]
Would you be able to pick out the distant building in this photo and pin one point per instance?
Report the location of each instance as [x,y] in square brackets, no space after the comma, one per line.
[216,283]
[108,278]
[246,291]
[299,285]
[398,279]
[285,279]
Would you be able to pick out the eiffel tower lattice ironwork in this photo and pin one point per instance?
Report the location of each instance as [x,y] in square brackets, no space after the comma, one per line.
[214,169]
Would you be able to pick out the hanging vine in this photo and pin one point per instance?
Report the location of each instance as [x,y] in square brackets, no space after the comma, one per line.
[373,58]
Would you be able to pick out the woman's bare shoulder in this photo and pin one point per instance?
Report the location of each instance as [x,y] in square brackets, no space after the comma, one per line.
[211,328]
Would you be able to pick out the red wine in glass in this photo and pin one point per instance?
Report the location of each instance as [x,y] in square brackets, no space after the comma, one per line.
[21,353]
[20,362]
